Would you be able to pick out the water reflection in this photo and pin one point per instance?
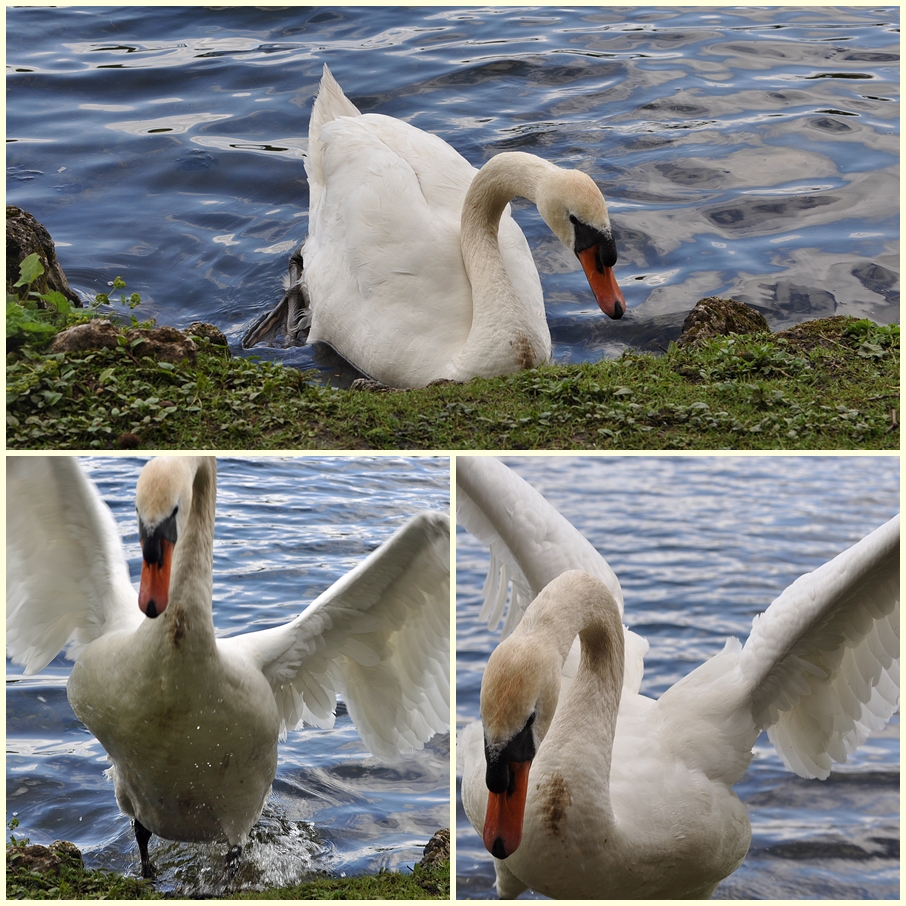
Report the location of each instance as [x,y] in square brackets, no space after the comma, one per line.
[743,152]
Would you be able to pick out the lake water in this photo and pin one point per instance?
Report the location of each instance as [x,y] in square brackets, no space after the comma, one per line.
[750,153]
[701,545]
[286,529]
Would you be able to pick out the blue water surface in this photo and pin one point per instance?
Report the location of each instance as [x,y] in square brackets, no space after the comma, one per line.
[287,528]
[700,546]
[746,152]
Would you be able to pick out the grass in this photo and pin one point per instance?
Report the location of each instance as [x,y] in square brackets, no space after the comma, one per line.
[830,384]
[70,880]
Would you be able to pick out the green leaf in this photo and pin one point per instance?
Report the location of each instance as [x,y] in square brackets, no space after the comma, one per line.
[30,269]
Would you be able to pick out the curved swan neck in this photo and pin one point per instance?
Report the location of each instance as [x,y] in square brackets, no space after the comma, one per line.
[577,603]
[495,302]
[500,180]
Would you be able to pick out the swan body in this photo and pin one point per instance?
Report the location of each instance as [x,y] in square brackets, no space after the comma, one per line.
[191,722]
[583,788]
[413,268]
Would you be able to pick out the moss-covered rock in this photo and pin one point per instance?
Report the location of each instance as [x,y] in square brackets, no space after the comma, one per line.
[716,317]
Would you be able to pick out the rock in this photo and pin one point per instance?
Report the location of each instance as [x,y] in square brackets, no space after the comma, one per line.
[714,317]
[24,236]
[437,849]
[214,335]
[128,441]
[206,331]
[822,332]
[46,859]
[98,334]
[363,383]
[164,344]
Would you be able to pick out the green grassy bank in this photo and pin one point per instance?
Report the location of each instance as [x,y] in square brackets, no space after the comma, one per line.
[827,384]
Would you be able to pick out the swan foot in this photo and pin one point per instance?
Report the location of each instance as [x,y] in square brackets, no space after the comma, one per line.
[364,383]
[231,861]
[142,836]
[289,320]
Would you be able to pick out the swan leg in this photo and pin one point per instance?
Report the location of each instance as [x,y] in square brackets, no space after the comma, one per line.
[231,862]
[142,836]
[289,319]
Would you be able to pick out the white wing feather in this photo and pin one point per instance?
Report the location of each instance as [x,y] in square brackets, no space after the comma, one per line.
[823,659]
[67,580]
[379,637]
[530,544]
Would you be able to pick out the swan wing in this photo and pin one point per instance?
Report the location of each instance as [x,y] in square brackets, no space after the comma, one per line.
[379,637]
[530,544]
[67,580]
[823,660]
[383,266]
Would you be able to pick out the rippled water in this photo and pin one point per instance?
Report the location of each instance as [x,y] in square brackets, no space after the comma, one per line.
[286,529]
[701,545]
[745,152]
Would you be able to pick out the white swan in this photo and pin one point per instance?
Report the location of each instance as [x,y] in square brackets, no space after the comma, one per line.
[414,270]
[189,721]
[581,787]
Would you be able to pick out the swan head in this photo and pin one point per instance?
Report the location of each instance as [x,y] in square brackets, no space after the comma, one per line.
[163,500]
[574,208]
[519,694]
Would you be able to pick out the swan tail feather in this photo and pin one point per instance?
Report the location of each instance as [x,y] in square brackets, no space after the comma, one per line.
[330,104]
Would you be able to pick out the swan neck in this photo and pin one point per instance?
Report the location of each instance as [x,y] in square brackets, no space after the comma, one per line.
[191,590]
[502,178]
[587,609]
[495,301]
[586,717]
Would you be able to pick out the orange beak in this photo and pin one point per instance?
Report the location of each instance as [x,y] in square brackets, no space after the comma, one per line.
[603,284]
[503,817]
[154,591]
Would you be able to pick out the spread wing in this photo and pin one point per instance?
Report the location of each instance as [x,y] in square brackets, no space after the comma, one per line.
[379,637]
[67,580]
[823,659]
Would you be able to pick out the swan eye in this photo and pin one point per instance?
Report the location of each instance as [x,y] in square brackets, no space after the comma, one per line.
[573,220]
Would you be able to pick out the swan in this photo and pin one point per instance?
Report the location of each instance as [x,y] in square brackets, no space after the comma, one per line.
[414,270]
[189,721]
[583,788]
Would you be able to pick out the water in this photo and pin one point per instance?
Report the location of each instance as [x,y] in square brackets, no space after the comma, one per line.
[286,529]
[701,545]
[750,152]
